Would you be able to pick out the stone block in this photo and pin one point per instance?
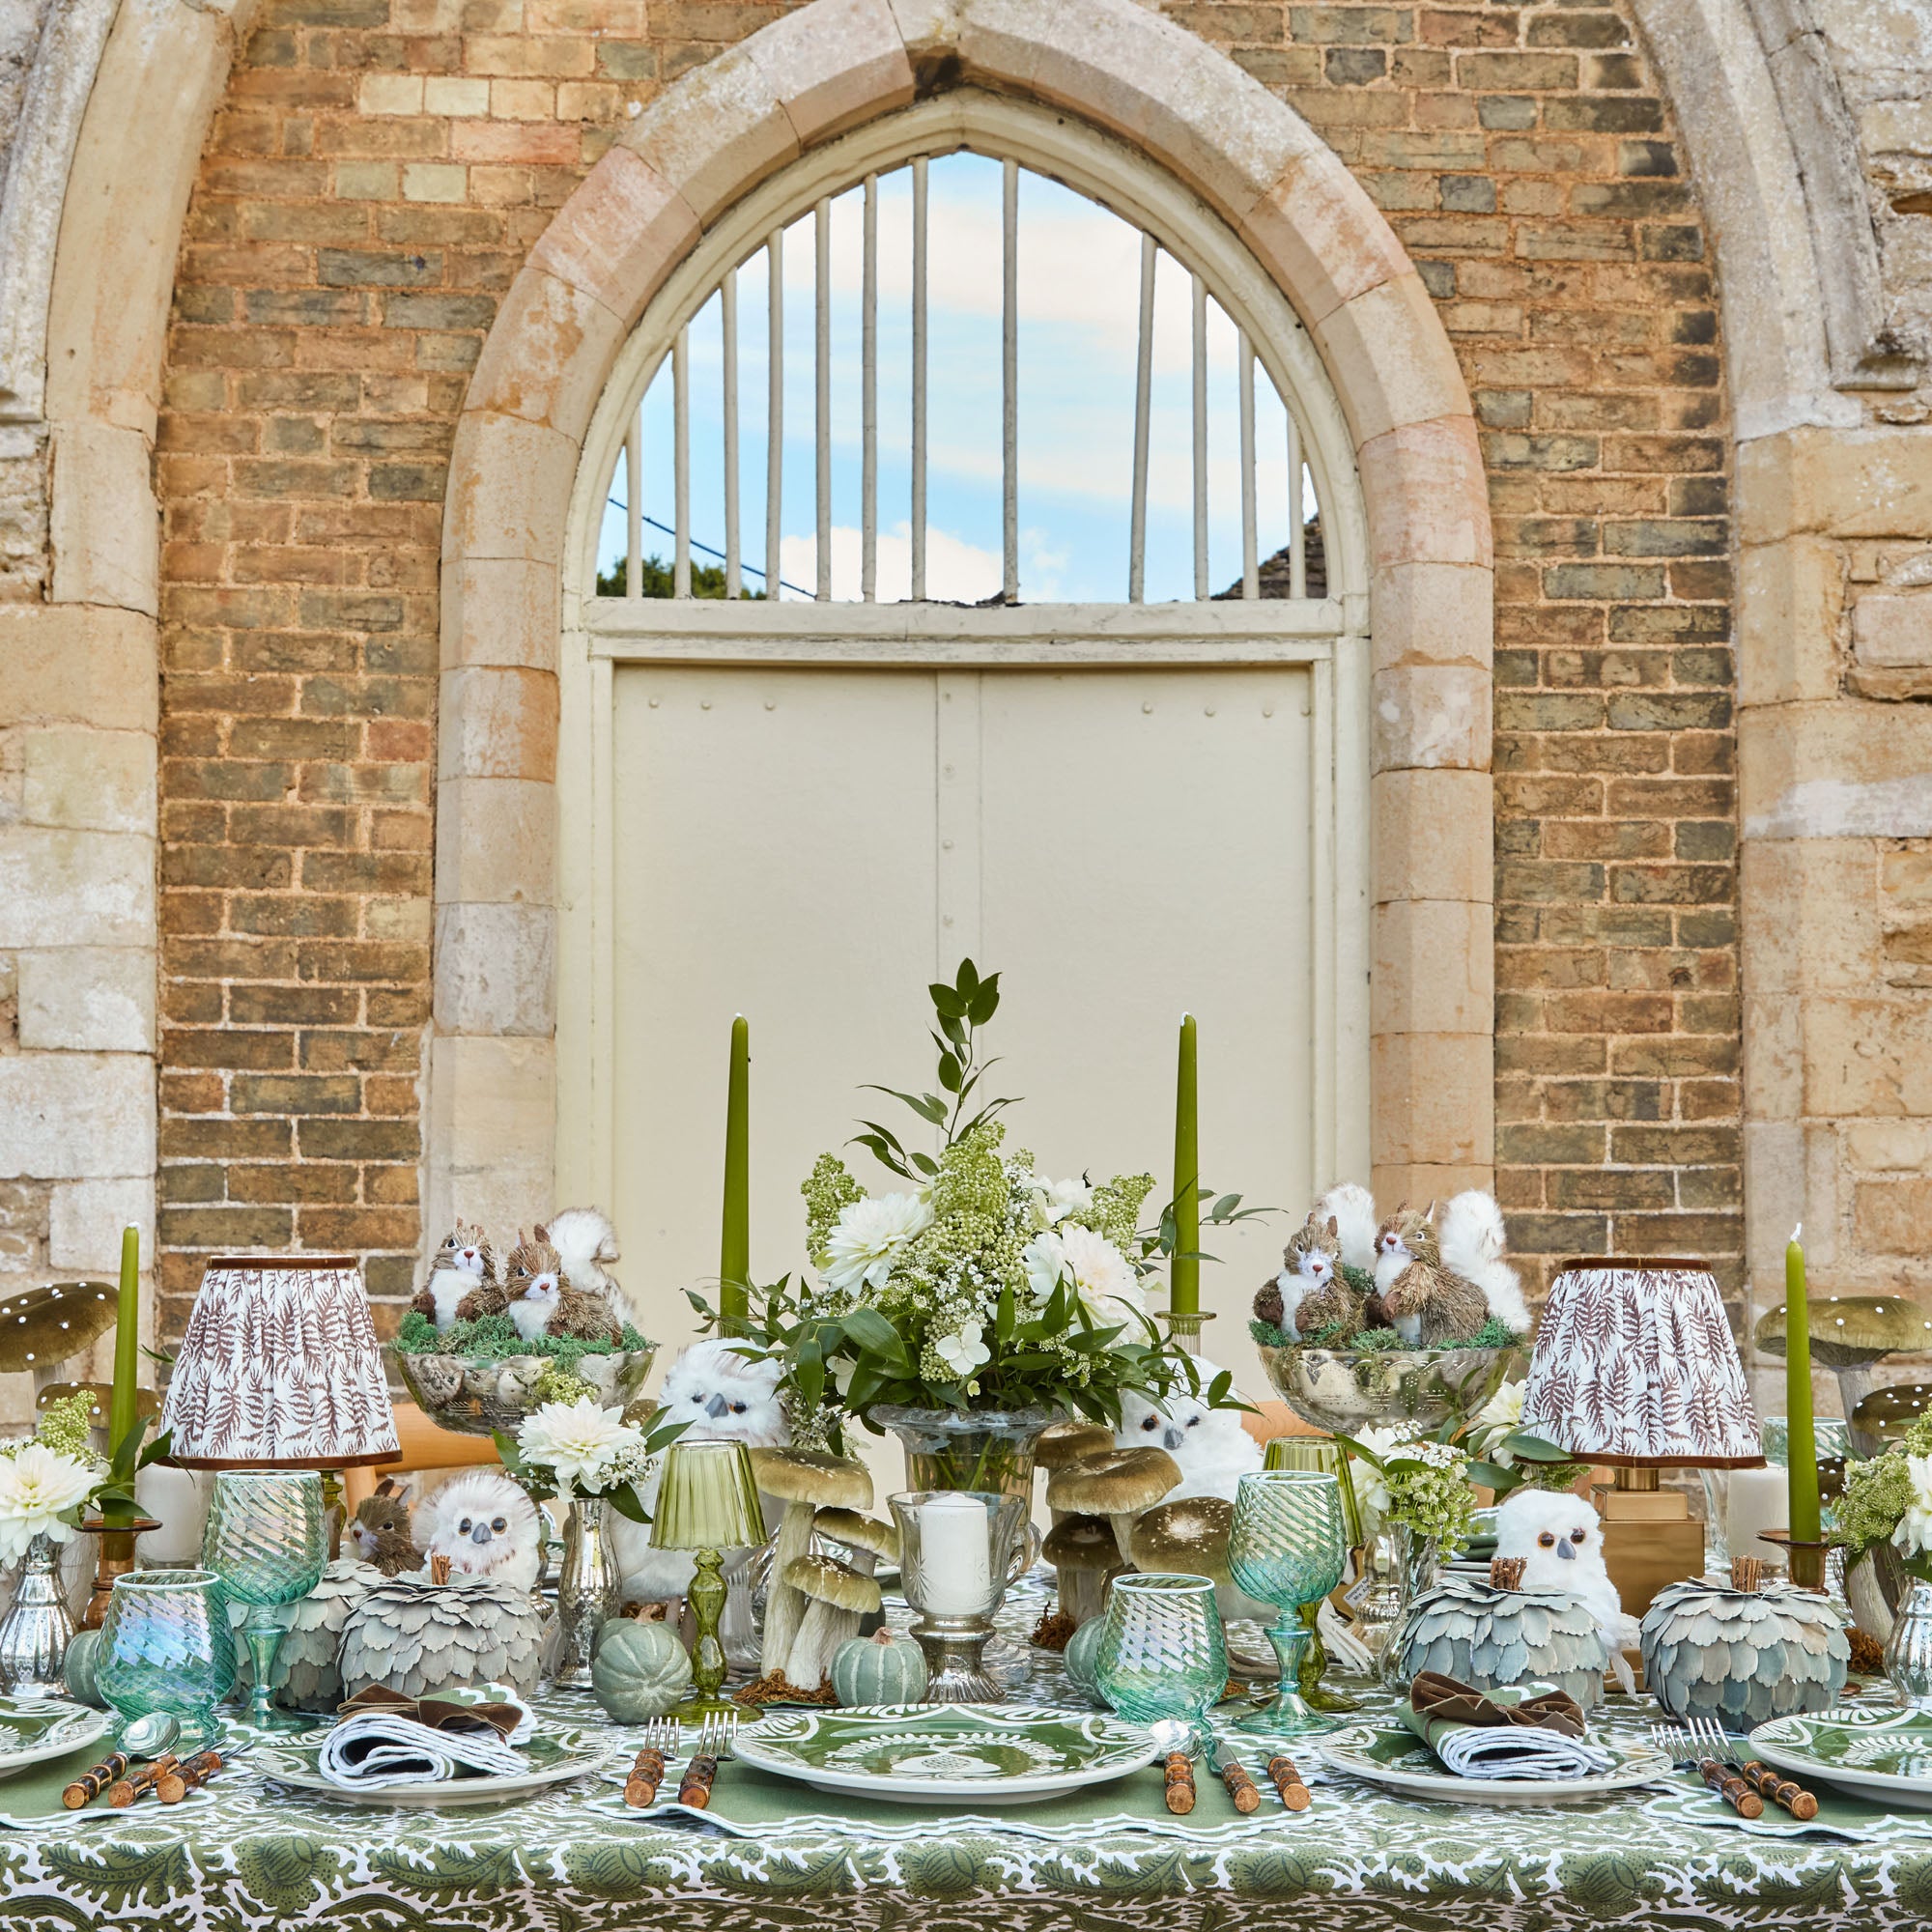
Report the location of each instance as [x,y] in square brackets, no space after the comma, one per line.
[1434,967]
[1324,239]
[491,1128]
[88,999]
[716,134]
[495,841]
[500,611]
[1811,918]
[75,888]
[1431,613]
[1878,1147]
[86,1219]
[509,489]
[496,968]
[619,235]
[1428,496]
[1789,610]
[1892,630]
[1870,1057]
[1430,715]
[104,523]
[1432,835]
[834,65]
[1390,360]
[88,781]
[1835,482]
[1432,1100]
[549,355]
[84,663]
[1419,1185]
[1773,1055]
[1893,1217]
[498,723]
[76,1115]
[1847,769]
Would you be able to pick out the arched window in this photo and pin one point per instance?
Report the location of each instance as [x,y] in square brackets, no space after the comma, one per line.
[1067,671]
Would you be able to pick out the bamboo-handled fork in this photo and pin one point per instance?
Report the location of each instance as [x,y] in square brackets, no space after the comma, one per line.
[1686,1749]
[1766,1783]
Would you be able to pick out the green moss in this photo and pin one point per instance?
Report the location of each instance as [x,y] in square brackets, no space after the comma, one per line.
[1492,1334]
[1360,1280]
[495,1338]
[1372,1341]
[1266,1335]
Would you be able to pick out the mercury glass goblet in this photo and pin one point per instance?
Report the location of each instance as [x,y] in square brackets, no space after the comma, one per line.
[264,1541]
[1162,1656]
[1287,1546]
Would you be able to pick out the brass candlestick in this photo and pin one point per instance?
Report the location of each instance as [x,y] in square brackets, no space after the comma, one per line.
[1804,1557]
[116,1558]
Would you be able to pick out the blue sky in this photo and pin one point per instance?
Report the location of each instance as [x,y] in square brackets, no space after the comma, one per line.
[1079,280]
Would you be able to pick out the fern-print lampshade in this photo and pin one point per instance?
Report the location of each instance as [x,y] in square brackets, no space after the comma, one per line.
[280,1369]
[1634,1365]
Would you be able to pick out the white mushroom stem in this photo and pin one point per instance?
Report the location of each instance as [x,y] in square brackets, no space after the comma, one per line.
[824,1628]
[1083,1593]
[786,1603]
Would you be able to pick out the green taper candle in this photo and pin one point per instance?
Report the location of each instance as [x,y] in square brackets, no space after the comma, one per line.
[1185,1279]
[122,1402]
[735,1250]
[1801,1451]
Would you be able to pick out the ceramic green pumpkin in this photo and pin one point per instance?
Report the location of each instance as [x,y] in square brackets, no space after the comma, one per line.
[879,1670]
[1083,1648]
[78,1667]
[639,1669]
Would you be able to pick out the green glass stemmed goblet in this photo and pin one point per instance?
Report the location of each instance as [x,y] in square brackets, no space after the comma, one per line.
[265,1542]
[1287,1546]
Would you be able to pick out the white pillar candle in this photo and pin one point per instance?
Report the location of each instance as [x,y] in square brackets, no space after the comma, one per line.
[1760,1499]
[955,1541]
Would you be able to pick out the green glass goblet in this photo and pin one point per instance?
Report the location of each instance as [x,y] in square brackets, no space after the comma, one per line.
[1162,1655]
[1323,1453]
[265,1540]
[1287,1546]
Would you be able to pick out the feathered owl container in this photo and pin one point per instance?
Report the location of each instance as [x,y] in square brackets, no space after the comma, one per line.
[422,1637]
[1743,1654]
[1494,1636]
[307,1674]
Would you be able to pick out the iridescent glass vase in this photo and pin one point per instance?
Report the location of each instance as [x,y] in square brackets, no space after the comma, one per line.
[1287,1546]
[1162,1655]
[265,1542]
[165,1645]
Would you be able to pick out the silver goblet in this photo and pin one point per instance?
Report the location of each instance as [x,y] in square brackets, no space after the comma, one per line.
[1287,1548]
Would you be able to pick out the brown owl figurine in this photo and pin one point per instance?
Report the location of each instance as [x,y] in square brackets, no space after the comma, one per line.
[1427,1305]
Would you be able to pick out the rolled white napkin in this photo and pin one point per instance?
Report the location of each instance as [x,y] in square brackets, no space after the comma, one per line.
[380,1747]
[1472,1750]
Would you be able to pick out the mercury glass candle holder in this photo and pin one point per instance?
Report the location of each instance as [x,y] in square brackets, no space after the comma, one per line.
[708,1503]
[1288,1547]
[1162,1654]
[959,1551]
[165,1645]
[265,1542]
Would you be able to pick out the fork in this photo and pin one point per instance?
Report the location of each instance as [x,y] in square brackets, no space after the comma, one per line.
[714,1741]
[1766,1783]
[1685,1748]
[647,1768]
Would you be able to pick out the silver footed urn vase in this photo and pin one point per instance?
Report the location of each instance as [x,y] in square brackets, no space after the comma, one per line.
[37,1628]
[587,1588]
[1908,1651]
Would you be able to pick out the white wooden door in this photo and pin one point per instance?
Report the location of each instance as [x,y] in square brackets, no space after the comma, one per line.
[811,846]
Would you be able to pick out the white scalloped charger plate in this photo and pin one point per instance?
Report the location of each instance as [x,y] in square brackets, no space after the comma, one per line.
[1398,1760]
[555,1757]
[34,1729]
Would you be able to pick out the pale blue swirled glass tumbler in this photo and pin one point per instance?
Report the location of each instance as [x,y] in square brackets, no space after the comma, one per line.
[1287,1548]
[1162,1654]
[165,1645]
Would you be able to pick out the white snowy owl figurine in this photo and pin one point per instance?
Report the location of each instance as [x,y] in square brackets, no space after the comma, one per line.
[1470,1236]
[1210,1445]
[486,1526]
[726,1397]
[1560,1539]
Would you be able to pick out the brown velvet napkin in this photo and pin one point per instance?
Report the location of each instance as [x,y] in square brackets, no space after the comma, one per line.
[437,1713]
[1442,1699]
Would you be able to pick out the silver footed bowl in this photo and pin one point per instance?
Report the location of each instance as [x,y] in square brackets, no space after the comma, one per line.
[477,1393]
[1347,1390]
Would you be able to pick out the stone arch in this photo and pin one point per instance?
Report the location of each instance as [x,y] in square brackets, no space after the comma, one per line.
[702,145]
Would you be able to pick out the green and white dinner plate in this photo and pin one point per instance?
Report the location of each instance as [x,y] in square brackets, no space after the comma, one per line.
[1880,1754]
[938,1753]
[555,1756]
[1398,1760]
[34,1729]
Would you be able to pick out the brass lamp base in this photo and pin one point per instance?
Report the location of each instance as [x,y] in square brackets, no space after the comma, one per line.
[1650,1537]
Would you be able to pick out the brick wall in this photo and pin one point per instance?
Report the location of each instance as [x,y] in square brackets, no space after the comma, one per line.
[378,173]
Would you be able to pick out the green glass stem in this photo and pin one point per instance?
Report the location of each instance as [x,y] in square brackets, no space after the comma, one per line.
[262,1631]
[1315,1693]
[1287,1712]
[707,1598]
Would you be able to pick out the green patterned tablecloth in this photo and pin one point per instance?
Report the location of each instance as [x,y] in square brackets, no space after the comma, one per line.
[244,1856]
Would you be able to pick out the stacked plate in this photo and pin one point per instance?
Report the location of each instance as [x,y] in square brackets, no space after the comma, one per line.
[1882,1755]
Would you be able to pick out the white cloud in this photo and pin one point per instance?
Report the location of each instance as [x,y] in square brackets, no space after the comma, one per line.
[957,572]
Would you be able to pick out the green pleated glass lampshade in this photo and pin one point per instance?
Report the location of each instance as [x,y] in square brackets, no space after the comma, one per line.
[708,1498]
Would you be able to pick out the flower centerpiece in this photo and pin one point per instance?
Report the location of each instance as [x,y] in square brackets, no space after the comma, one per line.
[1887,1505]
[1505,1457]
[47,1483]
[585,1457]
[978,1304]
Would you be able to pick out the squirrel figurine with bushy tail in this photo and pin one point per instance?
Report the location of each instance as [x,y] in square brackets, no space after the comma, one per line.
[1428,1305]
